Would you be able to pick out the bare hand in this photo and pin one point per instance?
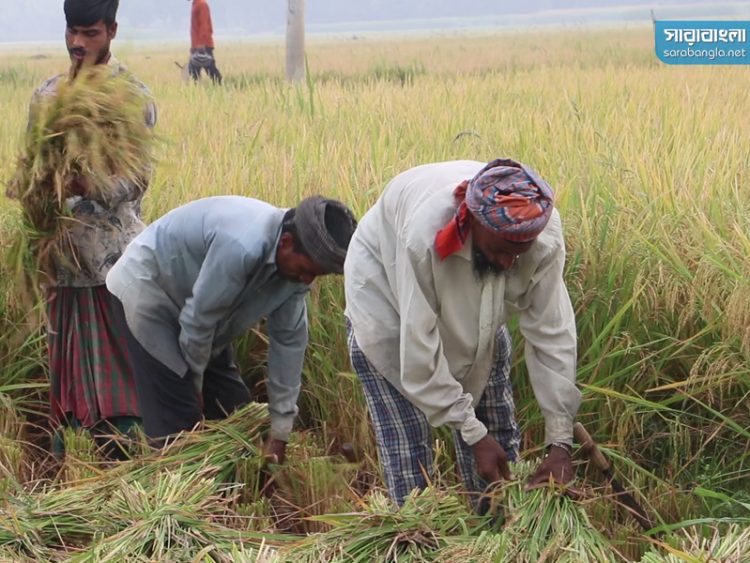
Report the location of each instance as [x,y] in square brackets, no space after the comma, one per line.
[491,459]
[79,185]
[557,464]
[274,450]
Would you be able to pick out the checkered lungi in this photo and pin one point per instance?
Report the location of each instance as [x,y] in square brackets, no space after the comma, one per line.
[91,377]
[404,437]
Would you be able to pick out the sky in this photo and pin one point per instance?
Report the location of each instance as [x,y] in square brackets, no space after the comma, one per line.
[42,20]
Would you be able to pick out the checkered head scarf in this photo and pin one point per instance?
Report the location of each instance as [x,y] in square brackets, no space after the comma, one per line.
[506,197]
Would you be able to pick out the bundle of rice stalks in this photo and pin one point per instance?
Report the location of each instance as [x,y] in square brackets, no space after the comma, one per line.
[728,545]
[487,547]
[545,524]
[10,418]
[310,487]
[416,532]
[539,525]
[81,457]
[11,461]
[57,518]
[73,514]
[177,517]
[221,444]
[85,140]
[256,515]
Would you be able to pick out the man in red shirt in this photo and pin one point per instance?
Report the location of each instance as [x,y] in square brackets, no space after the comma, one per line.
[202,42]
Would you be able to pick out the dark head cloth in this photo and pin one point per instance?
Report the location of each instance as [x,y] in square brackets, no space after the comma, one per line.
[83,13]
[325,227]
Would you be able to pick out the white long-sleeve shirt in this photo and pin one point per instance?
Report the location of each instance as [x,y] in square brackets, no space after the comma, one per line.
[428,326]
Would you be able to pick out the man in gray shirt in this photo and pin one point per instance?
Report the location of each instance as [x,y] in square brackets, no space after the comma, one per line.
[202,275]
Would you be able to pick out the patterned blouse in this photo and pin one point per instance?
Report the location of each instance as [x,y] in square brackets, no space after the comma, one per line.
[103,229]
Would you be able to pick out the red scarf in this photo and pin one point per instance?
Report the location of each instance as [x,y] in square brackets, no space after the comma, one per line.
[451,238]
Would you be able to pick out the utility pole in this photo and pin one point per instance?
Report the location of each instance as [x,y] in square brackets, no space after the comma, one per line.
[295,41]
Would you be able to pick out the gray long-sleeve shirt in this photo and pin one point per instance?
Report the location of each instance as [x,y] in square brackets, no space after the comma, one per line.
[203,274]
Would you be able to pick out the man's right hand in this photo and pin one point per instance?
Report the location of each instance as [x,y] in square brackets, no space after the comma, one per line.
[79,185]
[274,451]
[492,461]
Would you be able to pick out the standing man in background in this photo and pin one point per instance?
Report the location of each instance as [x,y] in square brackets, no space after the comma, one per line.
[202,42]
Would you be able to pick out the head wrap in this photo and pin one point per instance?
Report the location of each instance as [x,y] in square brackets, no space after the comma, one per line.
[325,227]
[84,13]
[505,196]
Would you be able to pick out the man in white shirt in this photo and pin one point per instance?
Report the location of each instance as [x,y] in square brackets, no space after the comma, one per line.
[433,271]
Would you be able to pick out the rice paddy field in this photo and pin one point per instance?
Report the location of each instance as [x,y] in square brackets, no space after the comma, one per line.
[651,164]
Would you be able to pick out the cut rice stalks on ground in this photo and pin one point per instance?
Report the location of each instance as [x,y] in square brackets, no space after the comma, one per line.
[416,532]
[168,504]
[86,140]
[433,525]
[11,452]
[310,483]
[545,524]
[730,544]
[178,517]
[181,503]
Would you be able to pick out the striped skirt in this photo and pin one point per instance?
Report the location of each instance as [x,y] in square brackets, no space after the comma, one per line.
[91,377]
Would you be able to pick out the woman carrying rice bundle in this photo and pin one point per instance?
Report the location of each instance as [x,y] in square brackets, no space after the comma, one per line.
[80,183]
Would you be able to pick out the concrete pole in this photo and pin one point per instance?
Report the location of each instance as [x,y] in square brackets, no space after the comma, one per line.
[295,41]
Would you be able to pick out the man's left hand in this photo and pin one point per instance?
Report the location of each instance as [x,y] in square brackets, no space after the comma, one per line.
[275,449]
[558,464]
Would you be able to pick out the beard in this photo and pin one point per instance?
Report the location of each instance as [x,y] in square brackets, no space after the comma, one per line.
[482,267]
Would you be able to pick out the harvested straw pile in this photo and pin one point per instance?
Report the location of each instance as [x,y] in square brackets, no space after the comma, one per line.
[418,531]
[547,525]
[85,140]
[731,544]
[172,505]
[539,525]
[176,517]
[179,504]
